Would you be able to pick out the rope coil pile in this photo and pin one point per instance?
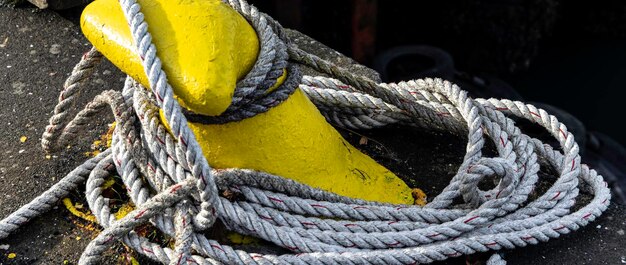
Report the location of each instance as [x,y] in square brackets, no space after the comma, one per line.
[175,189]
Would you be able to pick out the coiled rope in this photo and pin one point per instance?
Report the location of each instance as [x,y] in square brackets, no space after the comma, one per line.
[175,189]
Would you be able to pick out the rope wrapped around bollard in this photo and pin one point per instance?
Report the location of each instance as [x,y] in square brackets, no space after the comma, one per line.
[175,189]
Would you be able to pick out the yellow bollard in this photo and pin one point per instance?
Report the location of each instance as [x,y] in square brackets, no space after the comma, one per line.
[205,47]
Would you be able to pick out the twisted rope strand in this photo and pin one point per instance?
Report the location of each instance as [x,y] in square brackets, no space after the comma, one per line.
[175,189]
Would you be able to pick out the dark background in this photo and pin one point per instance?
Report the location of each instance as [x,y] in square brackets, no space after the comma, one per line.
[570,54]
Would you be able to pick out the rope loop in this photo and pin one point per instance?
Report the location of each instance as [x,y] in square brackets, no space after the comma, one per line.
[498,168]
[175,189]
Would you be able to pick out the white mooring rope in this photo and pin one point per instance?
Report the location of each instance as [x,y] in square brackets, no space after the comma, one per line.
[175,189]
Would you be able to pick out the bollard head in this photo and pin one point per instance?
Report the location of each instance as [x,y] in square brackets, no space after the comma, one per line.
[205,47]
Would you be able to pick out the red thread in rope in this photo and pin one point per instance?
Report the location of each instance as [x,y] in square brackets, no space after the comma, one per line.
[469,168]
[147,250]
[469,220]
[292,248]
[180,258]
[108,240]
[217,247]
[535,114]
[175,188]
[266,218]
[563,133]
[275,199]
[140,214]
[109,167]
[393,244]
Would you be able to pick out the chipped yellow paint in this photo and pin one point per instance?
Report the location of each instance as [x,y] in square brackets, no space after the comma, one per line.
[108,183]
[124,210]
[103,143]
[67,202]
[291,140]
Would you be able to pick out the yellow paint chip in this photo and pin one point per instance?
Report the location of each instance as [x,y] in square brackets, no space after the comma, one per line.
[11,255]
[70,207]
[124,210]
[23,139]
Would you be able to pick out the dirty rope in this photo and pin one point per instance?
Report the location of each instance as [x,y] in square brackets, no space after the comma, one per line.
[175,189]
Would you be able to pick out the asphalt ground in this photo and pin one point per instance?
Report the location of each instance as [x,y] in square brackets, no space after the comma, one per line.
[37,52]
